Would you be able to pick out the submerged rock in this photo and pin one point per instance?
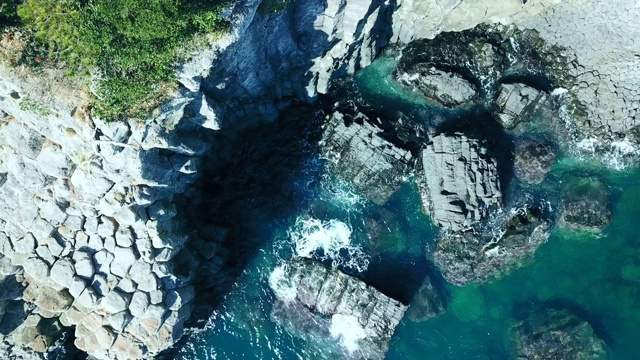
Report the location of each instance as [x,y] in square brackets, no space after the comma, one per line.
[357,154]
[428,302]
[445,88]
[557,334]
[586,205]
[317,303]
[458,181]
[491,250]
[534,158]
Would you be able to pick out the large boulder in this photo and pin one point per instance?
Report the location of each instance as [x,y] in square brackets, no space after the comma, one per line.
[444,88]
[458,181]
[357,154]
[515,102]
[586,205]
[428,302]
[315,302]
[557,334]
[492,249]
[533,160]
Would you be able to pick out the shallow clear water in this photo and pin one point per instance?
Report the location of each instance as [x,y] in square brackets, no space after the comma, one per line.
[598,276]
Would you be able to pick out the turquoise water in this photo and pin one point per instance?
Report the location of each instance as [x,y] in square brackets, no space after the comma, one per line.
[596,275]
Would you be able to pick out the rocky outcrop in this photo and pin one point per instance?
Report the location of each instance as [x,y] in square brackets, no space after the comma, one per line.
[516,102]
[326,303]
[357,154]
[427,303]
[441,87]
[586,205]
[459,181]
[491,249]
[533,160]
[557,334]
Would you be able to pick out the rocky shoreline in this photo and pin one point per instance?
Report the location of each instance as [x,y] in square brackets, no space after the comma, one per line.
[95,247]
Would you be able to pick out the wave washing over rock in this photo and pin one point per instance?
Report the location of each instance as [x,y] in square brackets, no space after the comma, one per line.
[97,252]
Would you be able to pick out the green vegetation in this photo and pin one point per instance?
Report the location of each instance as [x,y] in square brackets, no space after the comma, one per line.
[272,6]
[8,14]
[35,107]
[133,44]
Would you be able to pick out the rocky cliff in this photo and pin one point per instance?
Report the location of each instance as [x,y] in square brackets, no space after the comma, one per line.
[90,229]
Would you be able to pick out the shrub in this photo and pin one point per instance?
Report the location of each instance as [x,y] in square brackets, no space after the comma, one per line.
[133,43]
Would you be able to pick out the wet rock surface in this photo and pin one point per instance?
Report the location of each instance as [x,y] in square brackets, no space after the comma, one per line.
[557,334]
[492,249]
[533,160]
[327,303]
[444,88]
[359,155]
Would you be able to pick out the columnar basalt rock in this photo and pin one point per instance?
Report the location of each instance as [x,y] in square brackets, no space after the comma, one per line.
[330,303]
[359,155]
[459,181]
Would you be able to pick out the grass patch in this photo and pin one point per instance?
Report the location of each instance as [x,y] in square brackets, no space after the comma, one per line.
[133,44]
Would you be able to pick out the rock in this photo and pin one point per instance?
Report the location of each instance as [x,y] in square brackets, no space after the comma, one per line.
[139,271]
[124,237]
[162,210]
[62,272]
[139,303]
[77,286]
[458,181]
[103,260]
[426,303]
[26,245]
[107,227]
[492,249]
[316,301]
[557,334]
[357,154]
[53,301]
[115,301]
[88,298]
[444,88]
[586,205]
[179,297]
[119,320]
[148,283]
[52,213]
[83,264]
[515,102]
[100,285]
[123,259]
[184,164]
[36,268]
[533,160]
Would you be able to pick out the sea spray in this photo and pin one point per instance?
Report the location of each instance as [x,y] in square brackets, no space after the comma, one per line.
[348,330]
[327,241]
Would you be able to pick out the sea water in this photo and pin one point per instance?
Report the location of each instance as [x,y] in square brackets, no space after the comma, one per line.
[597,276]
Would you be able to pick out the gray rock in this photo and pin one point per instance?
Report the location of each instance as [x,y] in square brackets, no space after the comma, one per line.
[115,302]
[73,223]
[36,268]
[149,283]
[107,227]
[139,303]
[556,334]
[533,160]
[324,302]
[445,88]
[126,285]
[123,259]
[63,272]
[516,102]
[162,210]
[184,164]
[119,320]
[358,155]
[99,284]
[77,286]
[52,213]
[458,181]
[102,260]
[178,297]
[124,237]
[156,297]
[26,245]
[83,264]
[139,271]
[505,241]
[91,225]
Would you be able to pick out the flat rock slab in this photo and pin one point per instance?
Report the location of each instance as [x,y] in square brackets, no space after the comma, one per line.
[325,304]
[458,181]
[358,155]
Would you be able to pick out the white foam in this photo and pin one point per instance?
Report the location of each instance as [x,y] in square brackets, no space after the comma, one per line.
[347,329]
[282,284]
[327,240]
